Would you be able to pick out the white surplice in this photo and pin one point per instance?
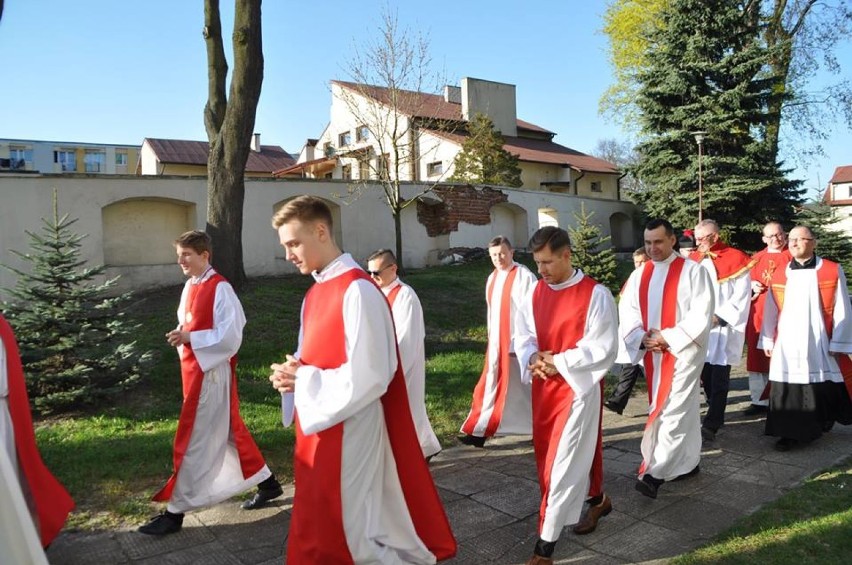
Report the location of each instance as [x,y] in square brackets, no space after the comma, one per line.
[210,471]
[376,521]
[732,302]
[411,338]
[671,444]
[801,349]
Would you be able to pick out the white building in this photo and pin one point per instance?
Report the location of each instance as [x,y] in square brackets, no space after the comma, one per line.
[838,195]
[30,155]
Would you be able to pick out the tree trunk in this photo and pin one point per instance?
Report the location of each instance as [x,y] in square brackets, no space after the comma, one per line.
[397,228]
[230,125]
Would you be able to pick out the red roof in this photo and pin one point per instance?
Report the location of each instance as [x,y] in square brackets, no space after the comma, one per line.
[421,104]
[183,152]
[544,151]
[842,174]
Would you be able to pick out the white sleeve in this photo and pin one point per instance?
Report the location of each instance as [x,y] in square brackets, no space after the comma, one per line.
[697,313]
[4,378]
[326,397]
[737,301]
[841,335]
[631,328]
[524,340]
[584,365]
[410,328]
[769,326]
[217,345]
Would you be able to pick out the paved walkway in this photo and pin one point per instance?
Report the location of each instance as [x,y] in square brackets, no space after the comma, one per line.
[491,496]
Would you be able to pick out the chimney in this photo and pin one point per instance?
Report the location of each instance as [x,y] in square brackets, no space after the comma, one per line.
[452,94]
[255,142]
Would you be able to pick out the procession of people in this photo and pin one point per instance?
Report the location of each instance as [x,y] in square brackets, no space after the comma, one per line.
[354,387]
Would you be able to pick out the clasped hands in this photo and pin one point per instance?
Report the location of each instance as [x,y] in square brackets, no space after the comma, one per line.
[177,337]
[283,377]
[541,364]
[654,341]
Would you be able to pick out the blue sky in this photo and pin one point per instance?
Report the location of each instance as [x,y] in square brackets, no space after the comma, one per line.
[115,72]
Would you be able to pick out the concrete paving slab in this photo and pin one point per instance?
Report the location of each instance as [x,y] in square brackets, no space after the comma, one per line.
[470,519]
[99,548]
[519,498]
[643,541]
[698,521]
[140,546]
[213,553]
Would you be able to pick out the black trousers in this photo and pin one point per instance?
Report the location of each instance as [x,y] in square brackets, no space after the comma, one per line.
[621,394]
[717,382]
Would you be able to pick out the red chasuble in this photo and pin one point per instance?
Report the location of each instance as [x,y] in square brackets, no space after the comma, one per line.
[316,525]
[199,309]
[764,266]
[729,262]
[52,502]
[560,322]
[503,363]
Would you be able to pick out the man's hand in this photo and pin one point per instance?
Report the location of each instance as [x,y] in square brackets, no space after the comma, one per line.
[654,341]
[283,377]
[177,337]
[541,365]
[767,352]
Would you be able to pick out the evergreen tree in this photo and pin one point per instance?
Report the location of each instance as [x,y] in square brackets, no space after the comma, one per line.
[832,243]
[482,159]
[592,253]
[74,339]
[708,72]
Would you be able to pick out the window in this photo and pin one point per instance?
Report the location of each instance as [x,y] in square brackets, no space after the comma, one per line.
[121,159]
[19,157]
[347,172]
[596,186]
[95,161]
[344,139]
[68,160]
[328,149]
[435,169]
[364,169]
[383,167]
[362,133]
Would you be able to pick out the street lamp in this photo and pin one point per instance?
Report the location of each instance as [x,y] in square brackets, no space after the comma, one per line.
[699,139]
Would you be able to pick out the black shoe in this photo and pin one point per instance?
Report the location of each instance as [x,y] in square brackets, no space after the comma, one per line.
[649,486]
[755,410]
[261,497]
[692,473]
[785,444]
[163,524]
[707,434]
[475,441]
[612,406]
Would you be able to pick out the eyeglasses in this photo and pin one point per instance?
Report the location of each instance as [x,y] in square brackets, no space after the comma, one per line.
[798,239]
[379,272]
[703,237]
[774,236]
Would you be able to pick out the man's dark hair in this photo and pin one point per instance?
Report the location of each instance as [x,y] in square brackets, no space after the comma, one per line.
[196,240]
[390,257]
[657,222]
[551,236]
[500,240]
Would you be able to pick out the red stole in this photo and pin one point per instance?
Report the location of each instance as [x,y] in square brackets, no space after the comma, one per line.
[827,280]
[502,365]
[764,265]
[729,262]
[560,322]
[316,525]
[393,293]
[52,502]
[668,319]
[199,316]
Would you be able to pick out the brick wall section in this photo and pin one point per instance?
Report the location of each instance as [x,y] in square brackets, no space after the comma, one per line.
[458,204]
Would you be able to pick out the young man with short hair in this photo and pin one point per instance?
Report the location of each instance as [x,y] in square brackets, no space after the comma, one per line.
[364,493]
[215,456]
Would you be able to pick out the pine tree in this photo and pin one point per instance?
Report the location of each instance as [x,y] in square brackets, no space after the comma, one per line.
[708,72]
[832,243]
[74,339]
[482,159]
[592,253]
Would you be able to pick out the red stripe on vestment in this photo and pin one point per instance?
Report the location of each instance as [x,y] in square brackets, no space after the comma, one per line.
[644,284]
[393,294]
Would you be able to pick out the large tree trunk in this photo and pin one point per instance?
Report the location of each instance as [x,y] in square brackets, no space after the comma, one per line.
[230,125]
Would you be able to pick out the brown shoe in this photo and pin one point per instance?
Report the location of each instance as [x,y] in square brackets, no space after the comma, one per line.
[589,521]
[539,560]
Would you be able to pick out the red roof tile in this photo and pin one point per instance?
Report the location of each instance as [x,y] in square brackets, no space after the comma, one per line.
[183,152]
[842,174]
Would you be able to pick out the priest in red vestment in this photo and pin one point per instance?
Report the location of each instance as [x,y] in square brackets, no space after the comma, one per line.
[49,503]
[566,337]
[363,489]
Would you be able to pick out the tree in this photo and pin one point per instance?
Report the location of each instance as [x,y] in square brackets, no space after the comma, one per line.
[592,253]
[75,342]
[229,121]
[624,156]
[801,35]
[832,243]
[482,159]
[707,72]
[389,96]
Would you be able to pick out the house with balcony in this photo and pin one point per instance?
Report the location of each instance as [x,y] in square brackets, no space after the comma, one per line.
[189,158]
[37,156]
[838,195]
[376,133]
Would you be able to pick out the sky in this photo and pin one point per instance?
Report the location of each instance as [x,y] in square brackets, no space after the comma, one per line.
[102,71]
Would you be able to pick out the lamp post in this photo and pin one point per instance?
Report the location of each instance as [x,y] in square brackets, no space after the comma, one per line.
[699,139]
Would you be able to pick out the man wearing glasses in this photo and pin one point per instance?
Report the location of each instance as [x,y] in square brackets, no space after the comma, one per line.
[764,264]
[728,269]
[410,336]
[809,345]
